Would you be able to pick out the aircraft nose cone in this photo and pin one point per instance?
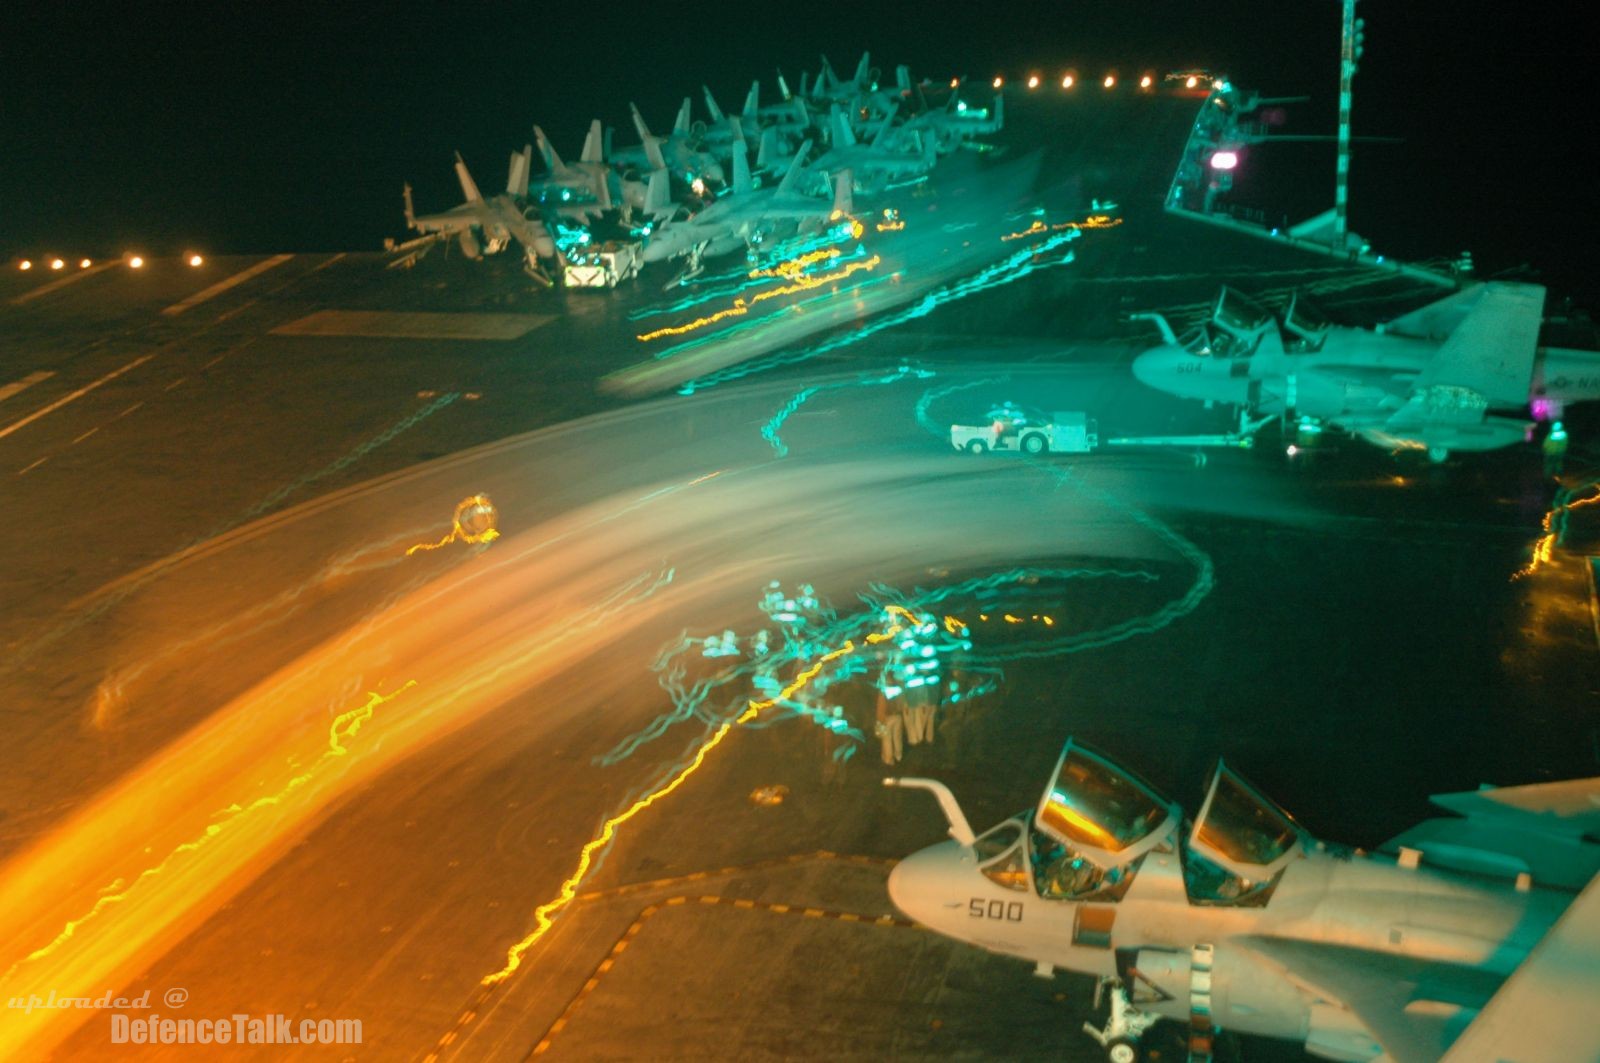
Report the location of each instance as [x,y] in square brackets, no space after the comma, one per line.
[1157,366]
[925,883]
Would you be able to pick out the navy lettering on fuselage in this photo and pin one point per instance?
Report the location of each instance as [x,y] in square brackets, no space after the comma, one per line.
[1190,367]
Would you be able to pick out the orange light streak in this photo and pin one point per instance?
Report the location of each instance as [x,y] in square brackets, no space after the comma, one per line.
[741,306]
[1093,221]
[1546,543]
[344,727]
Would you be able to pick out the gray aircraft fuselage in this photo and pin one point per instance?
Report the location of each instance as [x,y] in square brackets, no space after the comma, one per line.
[1388,918]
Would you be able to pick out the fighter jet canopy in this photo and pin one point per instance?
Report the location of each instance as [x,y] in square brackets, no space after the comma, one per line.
[1242,831]
[1107,815]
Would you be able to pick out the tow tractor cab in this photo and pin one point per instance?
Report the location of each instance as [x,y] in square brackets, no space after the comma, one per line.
[1024,429]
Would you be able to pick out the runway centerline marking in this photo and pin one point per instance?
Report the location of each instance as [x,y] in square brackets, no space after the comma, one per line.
[80,393]
[25,383]
[223,285]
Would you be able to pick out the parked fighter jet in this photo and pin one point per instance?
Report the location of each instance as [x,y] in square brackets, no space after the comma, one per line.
[725,128]
[874,164]
[486,226]
[676,152]
[829,87]
[581,190]
[1465,930]
[737,218]
[957,122]
[788,116]
[1459,374]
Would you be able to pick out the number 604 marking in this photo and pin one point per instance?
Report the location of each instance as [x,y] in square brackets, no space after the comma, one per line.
[1009,911]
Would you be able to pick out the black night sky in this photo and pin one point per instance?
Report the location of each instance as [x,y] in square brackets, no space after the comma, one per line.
[290,126]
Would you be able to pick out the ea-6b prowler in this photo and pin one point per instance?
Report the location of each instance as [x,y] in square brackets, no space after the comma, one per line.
[1465,938]
[1462,373]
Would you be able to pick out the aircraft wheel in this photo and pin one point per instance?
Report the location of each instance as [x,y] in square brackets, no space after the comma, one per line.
[976,447]
[1438,454]
[1034,444]
[1122,1051]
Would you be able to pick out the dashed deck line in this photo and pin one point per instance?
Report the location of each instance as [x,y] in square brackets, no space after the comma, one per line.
[475,1006]
[622,943]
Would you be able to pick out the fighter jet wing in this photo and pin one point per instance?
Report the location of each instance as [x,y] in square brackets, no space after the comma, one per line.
[1399,1000]
[1544,1013]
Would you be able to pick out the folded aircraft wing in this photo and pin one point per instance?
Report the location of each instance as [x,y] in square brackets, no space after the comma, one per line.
[1547,831]
[1490,351]
[1545,1011]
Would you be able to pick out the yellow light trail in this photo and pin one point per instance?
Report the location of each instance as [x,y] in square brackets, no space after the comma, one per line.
[793,267]
[741,306]
[344,726]
[1542,549]
[544,915]
[478,510]
[1093,221]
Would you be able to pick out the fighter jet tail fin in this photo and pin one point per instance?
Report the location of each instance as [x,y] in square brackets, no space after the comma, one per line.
[658,193]
[684,120]
[411,214]
[999,112]
[469,187]
[517,178]
[902,77]
[711,104]
[638,122]
[594,144]
[547,150]
[805,83]
[863,76]
[844,202]
[652,153]
[882,139]
[741,168]
[752,102]
[843,135]
[783,88]
[767,149]
[791,178]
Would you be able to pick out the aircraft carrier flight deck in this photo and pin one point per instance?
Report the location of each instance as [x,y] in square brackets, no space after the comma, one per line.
[380,627]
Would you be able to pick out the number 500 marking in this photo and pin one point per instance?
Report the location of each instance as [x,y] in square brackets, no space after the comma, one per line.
[1009,911]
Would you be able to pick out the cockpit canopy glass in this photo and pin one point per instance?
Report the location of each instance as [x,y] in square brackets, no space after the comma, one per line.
[1240,314]
[1098,809]
[1242,830]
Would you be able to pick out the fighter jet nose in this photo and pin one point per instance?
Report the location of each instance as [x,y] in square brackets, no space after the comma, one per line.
[1156,366]
[925,883]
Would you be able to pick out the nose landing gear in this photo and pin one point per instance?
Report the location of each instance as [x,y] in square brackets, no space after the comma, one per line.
[1125,1024]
